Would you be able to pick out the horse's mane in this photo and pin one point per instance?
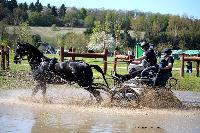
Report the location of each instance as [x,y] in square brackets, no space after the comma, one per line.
[33,48]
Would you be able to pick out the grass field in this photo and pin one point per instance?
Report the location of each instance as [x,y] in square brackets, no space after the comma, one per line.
[48,35]
[19,74]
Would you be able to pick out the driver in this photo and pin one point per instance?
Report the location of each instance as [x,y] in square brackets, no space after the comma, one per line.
[135,68]
[165,66]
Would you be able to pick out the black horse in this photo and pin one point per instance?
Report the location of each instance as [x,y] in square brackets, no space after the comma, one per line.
[50,71]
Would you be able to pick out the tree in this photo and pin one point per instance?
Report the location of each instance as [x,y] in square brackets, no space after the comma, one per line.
[74,40]
[117,29]
[82,13]
[19,16]
[24,33]
[34,18]
[11,5]
[89,21]
[38,6]
[126,24]
[54,11]
[47,20]
[60,40]
[62,11]
[159,24]
[48,6]
[127,40]
[175,25]
[176,28]
[4,12]
[32,7]
[36,40]
[137,24]
[25,6]
[3,33]
[46,11]
[3,2]
[71,18]
[21,6]
[101,40]
[97,27]
[70,39]
[109,22]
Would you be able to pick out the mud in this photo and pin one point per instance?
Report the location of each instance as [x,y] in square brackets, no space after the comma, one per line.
[69,109]
[159,99]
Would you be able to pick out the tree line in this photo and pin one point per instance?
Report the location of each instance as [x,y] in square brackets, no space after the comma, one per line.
[125,27]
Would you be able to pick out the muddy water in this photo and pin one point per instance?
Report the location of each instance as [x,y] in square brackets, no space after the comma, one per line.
[73,111]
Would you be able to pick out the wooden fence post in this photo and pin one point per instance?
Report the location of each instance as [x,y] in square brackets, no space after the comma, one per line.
[7,57]
[3,58]
[197,69]
[182,65]
[61,54]
[73,50]
[115,61]
[105,60]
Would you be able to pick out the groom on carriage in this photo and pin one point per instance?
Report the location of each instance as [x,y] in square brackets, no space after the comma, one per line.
[143,66]
[139,64]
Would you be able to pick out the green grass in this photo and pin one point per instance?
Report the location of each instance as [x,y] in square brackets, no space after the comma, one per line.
[18,76]
[188,83]
[177,64]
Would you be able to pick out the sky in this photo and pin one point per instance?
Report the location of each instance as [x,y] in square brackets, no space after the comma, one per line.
[190,8]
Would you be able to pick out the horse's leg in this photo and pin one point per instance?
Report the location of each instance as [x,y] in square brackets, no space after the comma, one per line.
[91,97]
[43,88]
[95,93]
[36,89]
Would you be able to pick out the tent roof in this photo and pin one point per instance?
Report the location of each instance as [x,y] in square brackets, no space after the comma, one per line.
[189,52]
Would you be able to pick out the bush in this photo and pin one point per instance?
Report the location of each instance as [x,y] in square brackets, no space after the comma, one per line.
[54,28]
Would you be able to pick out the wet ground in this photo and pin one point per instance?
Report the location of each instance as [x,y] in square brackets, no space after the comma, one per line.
[71,110]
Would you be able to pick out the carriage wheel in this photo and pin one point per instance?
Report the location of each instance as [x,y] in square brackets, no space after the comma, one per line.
[124,97]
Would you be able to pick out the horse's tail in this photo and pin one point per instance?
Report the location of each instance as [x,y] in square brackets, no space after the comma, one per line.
[98,68]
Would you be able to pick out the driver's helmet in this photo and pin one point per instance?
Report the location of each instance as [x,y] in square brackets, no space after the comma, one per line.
[145,45]
[168,51]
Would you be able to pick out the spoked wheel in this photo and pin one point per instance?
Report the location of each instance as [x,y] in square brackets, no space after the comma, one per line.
[125,96]
[103,90]
[149,72]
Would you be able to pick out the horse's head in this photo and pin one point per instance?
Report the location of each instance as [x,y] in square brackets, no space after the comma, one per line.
[20,52]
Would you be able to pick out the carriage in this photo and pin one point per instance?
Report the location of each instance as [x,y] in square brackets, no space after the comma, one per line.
[131,89]
[50,71]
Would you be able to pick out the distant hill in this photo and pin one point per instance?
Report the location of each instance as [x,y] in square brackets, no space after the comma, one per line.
[48,35]
[47,32]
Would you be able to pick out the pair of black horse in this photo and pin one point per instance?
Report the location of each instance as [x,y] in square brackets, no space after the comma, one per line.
[50,71]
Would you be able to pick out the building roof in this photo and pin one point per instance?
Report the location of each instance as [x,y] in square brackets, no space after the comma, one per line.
[189,52]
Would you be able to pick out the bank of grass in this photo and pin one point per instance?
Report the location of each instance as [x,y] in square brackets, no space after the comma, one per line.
[19,75]
[187,83]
